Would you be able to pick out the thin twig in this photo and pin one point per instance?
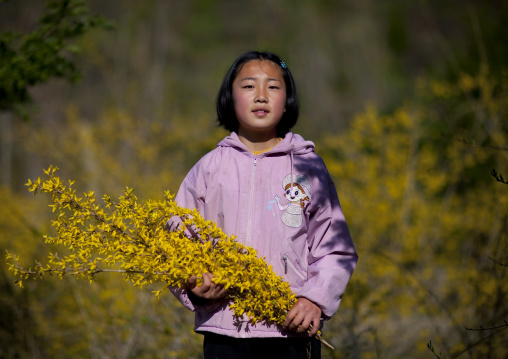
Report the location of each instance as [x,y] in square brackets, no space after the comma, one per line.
[324,342]
[498,262]
[489,328]
[431,348]
[319,337]
[474,144]
[478,342]
[498,176]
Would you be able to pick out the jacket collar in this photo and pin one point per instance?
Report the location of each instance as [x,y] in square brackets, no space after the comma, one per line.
[292,142]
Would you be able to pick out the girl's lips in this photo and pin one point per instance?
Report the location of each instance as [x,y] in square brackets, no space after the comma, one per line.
[260,111]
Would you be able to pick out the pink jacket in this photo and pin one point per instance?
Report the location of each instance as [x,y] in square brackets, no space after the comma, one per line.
[284,204]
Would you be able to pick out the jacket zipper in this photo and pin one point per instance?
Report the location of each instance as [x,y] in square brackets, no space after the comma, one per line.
[287,263]
[249,220]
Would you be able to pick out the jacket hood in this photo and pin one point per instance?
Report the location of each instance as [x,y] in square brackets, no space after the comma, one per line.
[291,141]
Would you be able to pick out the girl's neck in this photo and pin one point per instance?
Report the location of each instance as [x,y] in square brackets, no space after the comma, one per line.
[258,141]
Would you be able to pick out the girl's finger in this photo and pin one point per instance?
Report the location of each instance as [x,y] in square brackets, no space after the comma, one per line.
[221,292]
[207,279]
[191,282]
[314,327]
[289,318]
[305,325]
[297,321]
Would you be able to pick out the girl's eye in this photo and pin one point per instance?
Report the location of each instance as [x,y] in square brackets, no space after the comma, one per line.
[296,193]
[287,192]
[273,87]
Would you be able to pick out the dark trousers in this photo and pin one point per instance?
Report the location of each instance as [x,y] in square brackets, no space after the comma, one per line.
[223,347]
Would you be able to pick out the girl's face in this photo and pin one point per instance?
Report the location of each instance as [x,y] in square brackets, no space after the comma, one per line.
[259,98]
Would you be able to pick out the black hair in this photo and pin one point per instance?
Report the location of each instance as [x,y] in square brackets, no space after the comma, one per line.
[225,108]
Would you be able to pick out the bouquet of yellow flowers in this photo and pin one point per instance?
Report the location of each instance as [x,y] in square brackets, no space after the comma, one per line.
[129,237]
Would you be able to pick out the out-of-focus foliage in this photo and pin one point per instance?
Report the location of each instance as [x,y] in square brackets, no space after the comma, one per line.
[27,60]
[412,167]
[427,216]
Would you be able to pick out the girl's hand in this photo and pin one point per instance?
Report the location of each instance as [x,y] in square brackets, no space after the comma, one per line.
[208,289]
[277,198]
[302,315]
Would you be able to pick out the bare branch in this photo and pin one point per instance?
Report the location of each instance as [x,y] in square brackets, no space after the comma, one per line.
[481,328]
[498,176]
[498,262]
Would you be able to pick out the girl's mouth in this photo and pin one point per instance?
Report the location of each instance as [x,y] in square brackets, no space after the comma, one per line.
[260,112]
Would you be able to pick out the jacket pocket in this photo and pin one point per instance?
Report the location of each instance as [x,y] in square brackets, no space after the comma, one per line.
[294,273]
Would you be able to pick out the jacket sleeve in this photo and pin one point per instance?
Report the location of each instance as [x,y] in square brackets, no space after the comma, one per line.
[189,196]
[332,256]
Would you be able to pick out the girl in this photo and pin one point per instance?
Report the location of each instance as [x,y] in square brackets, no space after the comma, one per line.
[309,245]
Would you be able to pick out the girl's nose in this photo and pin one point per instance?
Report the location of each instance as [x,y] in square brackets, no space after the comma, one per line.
[261,96]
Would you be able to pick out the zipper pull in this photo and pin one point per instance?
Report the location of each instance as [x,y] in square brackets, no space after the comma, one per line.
[285,259]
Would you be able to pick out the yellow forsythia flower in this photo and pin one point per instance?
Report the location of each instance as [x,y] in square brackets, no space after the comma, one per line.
[129,237]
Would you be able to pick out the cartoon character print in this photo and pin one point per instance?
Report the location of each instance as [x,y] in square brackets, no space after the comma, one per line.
[296,191]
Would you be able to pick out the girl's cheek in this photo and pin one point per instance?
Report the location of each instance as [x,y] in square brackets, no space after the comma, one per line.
[282,104]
